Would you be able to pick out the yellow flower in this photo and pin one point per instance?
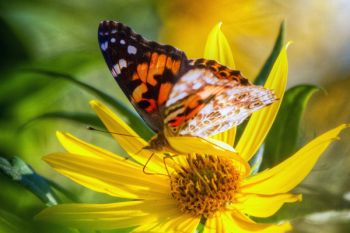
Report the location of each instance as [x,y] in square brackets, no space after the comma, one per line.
[215,187]
[210,181]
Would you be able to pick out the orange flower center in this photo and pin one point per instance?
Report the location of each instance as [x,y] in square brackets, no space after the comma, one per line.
[206,185]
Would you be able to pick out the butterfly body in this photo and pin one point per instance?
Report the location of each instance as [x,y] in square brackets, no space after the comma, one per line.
[174,95]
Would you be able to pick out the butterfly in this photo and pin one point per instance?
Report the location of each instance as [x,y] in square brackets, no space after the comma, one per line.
[174,95]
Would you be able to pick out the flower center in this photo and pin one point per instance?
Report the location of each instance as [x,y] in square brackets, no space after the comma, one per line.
[206,185]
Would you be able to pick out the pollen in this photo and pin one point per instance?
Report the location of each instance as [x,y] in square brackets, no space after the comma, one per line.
[205,185]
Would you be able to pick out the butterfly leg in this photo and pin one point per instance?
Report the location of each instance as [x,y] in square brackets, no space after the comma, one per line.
[165,164]
[155,173]
[144,167]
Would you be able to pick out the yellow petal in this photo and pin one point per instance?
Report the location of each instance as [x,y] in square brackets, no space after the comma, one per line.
[180,223]
[243,224]
[215,224]
[76,146]
[197,145]
[238,223]
[113,177]
[286,175]
[109,216]
[227,136]
[263,205]
[128,139]
[262,120]
[218,48]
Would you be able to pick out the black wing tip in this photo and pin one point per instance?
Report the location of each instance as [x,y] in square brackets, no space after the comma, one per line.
[108,27]
[107,23]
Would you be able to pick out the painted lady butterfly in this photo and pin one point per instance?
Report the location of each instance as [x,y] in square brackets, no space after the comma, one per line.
[174,95]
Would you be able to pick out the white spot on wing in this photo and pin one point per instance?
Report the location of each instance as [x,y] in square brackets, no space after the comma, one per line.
[122,41]
[114,31]
[122,63]
[113,40]
[104,45]
[116,70]
[132,49]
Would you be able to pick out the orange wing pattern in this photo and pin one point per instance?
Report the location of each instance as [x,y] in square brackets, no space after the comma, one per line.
[176,96]
[205,101]
[145,70]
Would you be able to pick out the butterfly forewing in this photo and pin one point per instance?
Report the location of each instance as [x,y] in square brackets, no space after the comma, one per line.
[145,70]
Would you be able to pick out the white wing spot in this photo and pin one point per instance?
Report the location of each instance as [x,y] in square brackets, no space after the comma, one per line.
[122,41]
[122,63]
[116,69]
[114,31]
[104,45]
[132,49]
[113,40]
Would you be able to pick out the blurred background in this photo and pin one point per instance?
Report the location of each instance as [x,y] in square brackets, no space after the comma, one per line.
[61,36]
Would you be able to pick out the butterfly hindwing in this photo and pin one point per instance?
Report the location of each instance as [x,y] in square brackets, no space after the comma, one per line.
[211,98]
[145,70]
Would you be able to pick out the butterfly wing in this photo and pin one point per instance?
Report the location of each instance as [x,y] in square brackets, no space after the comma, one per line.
[211,98]
[145,70]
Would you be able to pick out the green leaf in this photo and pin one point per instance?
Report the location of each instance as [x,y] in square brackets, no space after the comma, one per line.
[256,160]
[13,50]
[283,137]
[131,117]
[21,172]
[61,190]
[265,71]
[10,223]
[83,118]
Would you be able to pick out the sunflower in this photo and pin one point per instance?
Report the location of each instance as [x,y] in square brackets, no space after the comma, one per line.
[209,183]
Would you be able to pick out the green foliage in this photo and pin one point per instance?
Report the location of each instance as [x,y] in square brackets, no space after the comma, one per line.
[131,117]
[256,161]
[61,37]
[283,137]
[10,223]
[21,172]
[83,118]
[265,71]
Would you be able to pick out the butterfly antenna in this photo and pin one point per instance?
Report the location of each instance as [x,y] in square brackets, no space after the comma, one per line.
[105,131]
